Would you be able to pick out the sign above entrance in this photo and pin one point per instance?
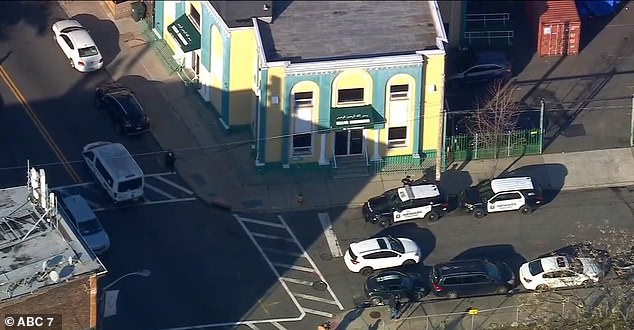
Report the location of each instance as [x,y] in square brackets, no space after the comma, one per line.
[185,33]
[364,116]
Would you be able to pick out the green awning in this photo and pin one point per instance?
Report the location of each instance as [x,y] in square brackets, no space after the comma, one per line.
[360,116]
[185,33]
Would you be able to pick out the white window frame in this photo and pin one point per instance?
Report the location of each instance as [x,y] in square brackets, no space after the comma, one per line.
[351,102]
[399,96]
[304,104]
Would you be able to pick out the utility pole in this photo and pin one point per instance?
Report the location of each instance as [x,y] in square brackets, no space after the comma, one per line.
[541,126]
[632,124]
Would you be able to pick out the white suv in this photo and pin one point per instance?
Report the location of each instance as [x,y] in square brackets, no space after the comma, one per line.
[383,252]
[560,272]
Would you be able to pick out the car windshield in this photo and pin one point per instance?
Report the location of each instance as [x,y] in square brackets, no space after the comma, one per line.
[88,51]
[393,199]
[71,29]
[493,271]
[485,191]
[131,106]
[576,265]
[396,245]
[535,267]
[130,185]
[89,227]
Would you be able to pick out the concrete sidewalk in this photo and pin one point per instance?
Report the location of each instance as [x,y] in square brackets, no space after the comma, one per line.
[219,167]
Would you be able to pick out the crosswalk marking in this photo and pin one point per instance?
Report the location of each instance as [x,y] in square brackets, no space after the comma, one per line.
[277,325]
[329,233]
[292,254]
[157,190]
[273,237]
[252,326]
[179,187]
[296,281]
[309,297]
[316,312]
[294,267]
[264,223]
[189,199]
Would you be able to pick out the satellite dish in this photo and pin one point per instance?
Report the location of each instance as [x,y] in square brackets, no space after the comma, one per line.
[54,276]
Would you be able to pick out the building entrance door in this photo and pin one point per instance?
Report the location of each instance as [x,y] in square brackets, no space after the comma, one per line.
[349,142]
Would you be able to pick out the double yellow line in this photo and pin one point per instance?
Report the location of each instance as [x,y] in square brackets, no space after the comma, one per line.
[38,124]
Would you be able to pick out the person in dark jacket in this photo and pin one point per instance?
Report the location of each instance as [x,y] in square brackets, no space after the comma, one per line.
[170,161]
[392,302]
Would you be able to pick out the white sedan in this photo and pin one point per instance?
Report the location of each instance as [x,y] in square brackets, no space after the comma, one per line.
[383,252]
[560,272]
[78,47]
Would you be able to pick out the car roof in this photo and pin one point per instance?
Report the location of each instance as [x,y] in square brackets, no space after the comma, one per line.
[368,245]
[63,24]
[127,101]
[81,38]
[408,192]
[461,267]
[387,276]
[514,183]
[554,263]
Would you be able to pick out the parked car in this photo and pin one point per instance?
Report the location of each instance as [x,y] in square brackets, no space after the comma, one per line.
[559,272]
[406,203]
[378,288]
[77,44]
[472,277]
[503,194]
[87,223]
[124,108]
[383,252]
[482,67]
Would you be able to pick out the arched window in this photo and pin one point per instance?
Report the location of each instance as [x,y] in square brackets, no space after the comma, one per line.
[398,123]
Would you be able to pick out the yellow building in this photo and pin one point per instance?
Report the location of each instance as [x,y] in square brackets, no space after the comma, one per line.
[330,83]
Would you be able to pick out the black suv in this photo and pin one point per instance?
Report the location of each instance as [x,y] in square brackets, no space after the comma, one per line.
[121,104]
[378,288]
[503,194]
[406,203]
[474,277]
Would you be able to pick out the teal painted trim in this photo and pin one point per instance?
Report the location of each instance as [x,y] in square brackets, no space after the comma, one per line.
[286,121]
[324,82]
[226,66]
[205,38]
[180,9]
[420,94]
[379,86]
[261,152]
[159,17]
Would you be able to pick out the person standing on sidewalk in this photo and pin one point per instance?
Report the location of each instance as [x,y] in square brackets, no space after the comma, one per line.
[170,161]
[392,304]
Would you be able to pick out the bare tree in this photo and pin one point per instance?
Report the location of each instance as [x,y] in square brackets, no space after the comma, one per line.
[493,121]
[607,304]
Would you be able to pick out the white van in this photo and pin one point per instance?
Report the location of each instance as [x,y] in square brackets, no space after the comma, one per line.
[87,223]
[115,169]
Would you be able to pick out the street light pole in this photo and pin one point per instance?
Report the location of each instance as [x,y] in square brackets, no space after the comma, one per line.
[632,124]
[144,273]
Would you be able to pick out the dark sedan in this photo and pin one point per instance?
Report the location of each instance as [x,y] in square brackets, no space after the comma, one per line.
[378,288]
[124,108]
[484,67]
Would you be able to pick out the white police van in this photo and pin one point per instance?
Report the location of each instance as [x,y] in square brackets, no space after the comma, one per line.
[406,203]
[504,194]
[115,170]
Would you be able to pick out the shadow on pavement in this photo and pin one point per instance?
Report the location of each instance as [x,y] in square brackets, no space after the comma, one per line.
[105,34]
[33,13]
[551,178]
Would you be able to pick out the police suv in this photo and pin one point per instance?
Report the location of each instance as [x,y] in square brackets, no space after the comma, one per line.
[406,203]
[505,194]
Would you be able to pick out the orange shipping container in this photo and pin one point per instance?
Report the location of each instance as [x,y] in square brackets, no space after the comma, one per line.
[557,24]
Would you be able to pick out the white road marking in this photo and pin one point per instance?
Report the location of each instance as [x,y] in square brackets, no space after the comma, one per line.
[329,233]
[316,312]
[82,184]
[273,237]
[309,297]
[189,199]
[296,281]
[293,254]
[264,223]
[157,190]
[179,187]
[277,325]
[312,263]
[300,268]
[252,326]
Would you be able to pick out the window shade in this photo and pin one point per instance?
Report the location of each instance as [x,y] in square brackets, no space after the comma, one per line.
[398,113]
[303,120]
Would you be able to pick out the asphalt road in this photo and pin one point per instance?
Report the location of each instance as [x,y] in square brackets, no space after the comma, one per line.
[59,97]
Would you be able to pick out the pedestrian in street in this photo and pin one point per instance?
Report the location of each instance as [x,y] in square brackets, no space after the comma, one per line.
[392,304]
[170,161]
[397,306]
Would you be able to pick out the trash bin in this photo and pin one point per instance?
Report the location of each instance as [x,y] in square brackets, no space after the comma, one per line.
[138,11]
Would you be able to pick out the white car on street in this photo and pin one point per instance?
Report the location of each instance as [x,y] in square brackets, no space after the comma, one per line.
[383,252]
[78,47]
[559,272]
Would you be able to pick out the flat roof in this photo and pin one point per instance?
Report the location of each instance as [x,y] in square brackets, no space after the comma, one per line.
[303,31]
[32,250]
[239,13]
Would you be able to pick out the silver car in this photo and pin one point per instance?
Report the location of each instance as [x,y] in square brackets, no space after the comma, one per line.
[87,224]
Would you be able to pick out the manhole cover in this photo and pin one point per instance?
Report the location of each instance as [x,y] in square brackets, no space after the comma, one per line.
[326,256]
[320,285]
[375,314]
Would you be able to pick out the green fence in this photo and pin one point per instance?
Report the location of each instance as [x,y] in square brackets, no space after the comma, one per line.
[405,163]
[511,144]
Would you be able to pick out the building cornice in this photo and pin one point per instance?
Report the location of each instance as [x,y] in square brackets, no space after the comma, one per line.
[382,62]
[258,40]
[441,35]
[224,28]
